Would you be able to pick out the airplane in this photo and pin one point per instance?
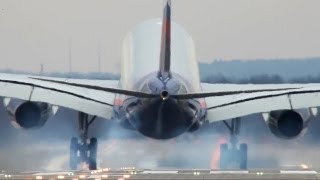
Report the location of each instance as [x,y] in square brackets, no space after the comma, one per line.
[159,95]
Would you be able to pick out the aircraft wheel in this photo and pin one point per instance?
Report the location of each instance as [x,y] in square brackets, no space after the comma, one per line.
[243,156]
[93,147]
[223,156]
[73,154]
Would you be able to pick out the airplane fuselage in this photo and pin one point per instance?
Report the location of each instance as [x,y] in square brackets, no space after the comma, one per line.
[162,117]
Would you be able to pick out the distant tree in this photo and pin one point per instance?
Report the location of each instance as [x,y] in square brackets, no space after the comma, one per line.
[75,75]
[217,78]
[266,79]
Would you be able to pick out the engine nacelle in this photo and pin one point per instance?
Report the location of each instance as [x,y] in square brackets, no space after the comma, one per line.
[287,124]
[27,114]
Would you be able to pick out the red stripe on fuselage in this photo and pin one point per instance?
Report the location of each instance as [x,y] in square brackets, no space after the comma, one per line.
[118,102]
[203,104]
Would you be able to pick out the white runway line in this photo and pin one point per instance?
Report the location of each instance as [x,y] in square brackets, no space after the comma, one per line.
[297,172]
[229,172]
[94,177]
[159,172]
[51,173]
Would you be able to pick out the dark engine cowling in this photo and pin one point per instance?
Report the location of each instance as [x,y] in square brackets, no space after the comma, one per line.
[286,124]
[27,114]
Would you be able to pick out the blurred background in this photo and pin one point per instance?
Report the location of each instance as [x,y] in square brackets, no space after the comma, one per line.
[241,41]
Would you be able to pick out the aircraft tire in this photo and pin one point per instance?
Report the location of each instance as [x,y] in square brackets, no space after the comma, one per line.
[73,154]
[93,147]
[243,156]
[223,156]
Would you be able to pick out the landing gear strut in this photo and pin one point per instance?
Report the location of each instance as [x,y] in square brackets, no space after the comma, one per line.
[233,154]
[83,149]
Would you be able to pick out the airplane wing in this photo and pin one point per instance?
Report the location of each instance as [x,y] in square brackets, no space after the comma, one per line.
[239,100]
[95,98]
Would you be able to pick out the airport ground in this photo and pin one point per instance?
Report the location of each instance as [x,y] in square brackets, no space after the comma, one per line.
[195,174]
[46,149]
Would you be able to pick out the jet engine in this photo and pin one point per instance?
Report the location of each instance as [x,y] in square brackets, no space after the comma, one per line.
[27,114]
[288,124]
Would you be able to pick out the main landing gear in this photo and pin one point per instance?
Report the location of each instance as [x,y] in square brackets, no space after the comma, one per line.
[233,154]
[83,149]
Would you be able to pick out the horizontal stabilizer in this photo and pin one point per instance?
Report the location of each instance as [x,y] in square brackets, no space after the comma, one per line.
[106,89]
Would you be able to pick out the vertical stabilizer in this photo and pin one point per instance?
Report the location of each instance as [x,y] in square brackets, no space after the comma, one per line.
[165,52]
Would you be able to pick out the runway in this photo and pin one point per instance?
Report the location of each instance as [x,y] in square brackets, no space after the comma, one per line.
[167,174]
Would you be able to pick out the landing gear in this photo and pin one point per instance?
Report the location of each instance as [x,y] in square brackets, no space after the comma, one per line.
[83,149]
[93,153]
[233,155]
[73,154]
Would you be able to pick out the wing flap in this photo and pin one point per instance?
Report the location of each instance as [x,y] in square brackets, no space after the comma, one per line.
[237,105]
[100,109]
[91,82]
[90,101]
[206,87]
[15,90]
[246,108]
[305,100]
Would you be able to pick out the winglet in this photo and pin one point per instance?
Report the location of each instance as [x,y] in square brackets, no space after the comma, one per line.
[165,52]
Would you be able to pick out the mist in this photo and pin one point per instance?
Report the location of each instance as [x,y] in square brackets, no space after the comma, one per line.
[43,33]
[47,148]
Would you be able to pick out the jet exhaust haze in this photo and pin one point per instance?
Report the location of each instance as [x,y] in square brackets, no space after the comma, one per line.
[179,152]
[44,149]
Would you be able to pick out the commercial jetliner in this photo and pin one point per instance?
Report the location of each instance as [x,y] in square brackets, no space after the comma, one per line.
[159,94]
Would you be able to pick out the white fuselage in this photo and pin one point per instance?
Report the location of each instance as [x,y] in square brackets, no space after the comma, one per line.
[141,53]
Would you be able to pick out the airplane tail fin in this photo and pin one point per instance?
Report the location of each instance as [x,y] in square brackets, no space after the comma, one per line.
[165,52]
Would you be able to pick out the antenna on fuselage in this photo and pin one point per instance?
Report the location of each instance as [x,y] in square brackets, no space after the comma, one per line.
[99,55]
[165,51]
[41,72]
[70,54]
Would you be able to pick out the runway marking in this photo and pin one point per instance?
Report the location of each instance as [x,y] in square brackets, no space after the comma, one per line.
[159,172]
[94,177]
[297,172]
[60,177]
[39,177]
[82,176]
[51,173]
[229,172]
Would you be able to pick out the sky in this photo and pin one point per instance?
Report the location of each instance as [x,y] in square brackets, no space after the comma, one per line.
[38,32]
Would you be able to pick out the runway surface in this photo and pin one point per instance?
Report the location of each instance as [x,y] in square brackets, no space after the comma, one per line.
[168,174]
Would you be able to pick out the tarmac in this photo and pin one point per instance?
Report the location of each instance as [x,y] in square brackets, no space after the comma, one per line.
[127,174]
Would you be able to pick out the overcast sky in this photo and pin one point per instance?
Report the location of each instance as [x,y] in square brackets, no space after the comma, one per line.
[37,31]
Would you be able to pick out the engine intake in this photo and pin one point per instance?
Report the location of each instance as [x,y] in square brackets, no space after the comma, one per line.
[286,124]
[28,115]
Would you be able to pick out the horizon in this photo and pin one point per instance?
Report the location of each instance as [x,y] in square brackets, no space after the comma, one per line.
[219,71]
